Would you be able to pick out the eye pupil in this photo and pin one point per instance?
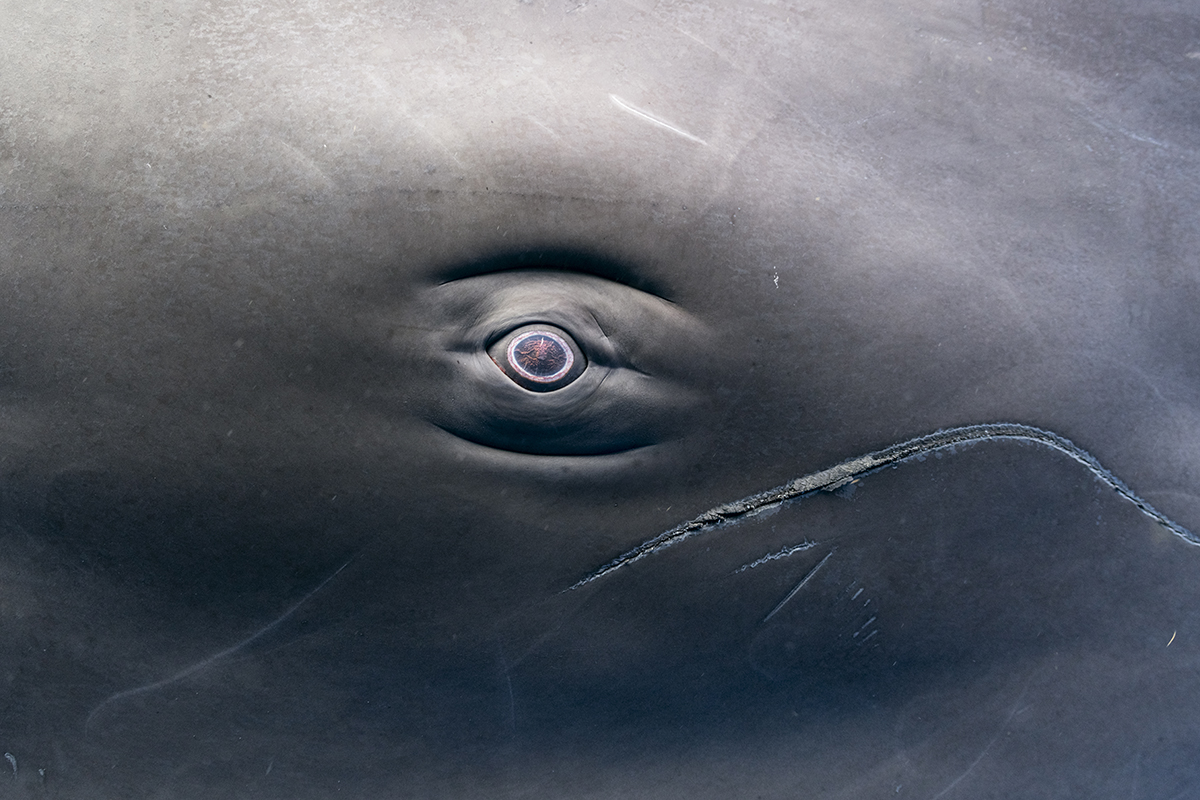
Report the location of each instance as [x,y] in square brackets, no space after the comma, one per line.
[540,356]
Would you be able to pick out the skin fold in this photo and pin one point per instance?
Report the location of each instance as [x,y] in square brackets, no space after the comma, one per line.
[274,523]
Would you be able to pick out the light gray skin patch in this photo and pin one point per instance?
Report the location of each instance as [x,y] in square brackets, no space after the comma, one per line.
[251,258]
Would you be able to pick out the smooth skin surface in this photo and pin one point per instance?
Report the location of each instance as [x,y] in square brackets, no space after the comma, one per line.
[275,524]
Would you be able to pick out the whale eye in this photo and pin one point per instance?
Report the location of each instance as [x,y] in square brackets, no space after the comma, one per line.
[541,358]
[557,363]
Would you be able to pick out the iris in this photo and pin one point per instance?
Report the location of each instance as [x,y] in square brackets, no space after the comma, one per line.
[538,357]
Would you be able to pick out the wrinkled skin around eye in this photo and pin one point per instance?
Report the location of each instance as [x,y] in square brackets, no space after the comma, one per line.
[640,366]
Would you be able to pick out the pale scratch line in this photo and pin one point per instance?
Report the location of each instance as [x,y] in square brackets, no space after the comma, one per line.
[512,699]
[545,127]
[305,162]
[776,556]
[388,95]
[797,587]
[648,117]
[835,477]
[216,657]
[967,772]
[1113,128]
[1016,709]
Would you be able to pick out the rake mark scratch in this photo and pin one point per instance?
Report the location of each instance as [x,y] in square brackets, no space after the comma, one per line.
[798,587]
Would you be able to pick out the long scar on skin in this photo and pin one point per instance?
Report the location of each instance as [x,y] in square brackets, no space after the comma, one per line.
[215,658]
[833,478]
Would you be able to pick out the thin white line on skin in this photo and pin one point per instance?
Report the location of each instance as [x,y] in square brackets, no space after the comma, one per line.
[545,127]
[216,657]
[798,587]
[653,120]
[1016,709]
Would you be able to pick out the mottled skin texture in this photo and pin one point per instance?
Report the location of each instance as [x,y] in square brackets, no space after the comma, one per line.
[251,260]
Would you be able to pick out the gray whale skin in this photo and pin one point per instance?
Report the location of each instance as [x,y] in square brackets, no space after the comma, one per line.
[275,523]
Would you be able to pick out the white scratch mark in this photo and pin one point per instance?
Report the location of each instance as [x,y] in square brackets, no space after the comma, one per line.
[798,587]
[805,545]
[386,90]
[968,770]
[1017,709]
[652,119]
[545,127]
[1113,128]
[856,594]
[1172,638]
[870,117]
[305,163]
[12,761]
[214,659]
[512,700]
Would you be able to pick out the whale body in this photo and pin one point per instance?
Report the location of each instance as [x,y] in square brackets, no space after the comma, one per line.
[852,452]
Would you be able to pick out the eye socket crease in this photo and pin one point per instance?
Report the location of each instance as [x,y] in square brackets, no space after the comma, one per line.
[561,260]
